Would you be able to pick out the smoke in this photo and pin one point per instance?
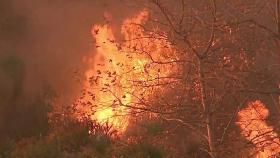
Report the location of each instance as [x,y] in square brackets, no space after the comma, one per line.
[50,39]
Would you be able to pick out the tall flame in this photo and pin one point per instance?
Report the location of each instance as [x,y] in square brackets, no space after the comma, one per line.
[251,121]
[121,75]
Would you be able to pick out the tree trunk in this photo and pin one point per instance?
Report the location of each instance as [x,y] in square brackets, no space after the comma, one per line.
[277,12]
[207,112]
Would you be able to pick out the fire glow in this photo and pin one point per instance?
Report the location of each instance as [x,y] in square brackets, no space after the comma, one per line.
[251,121]
[121,76]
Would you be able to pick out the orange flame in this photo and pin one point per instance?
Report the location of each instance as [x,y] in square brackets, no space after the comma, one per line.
[121,75]
[251,121]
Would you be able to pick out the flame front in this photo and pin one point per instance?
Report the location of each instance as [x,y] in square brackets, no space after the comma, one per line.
[251,121]
[122,75]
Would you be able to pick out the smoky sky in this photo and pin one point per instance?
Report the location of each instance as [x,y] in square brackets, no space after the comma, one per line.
[50,39]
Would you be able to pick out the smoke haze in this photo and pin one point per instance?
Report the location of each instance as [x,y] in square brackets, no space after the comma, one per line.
[51,38]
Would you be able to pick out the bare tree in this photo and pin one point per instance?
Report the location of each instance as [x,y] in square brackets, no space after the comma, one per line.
[223,57]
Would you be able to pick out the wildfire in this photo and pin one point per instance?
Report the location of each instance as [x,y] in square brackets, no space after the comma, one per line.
[122,75]
[251,121]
